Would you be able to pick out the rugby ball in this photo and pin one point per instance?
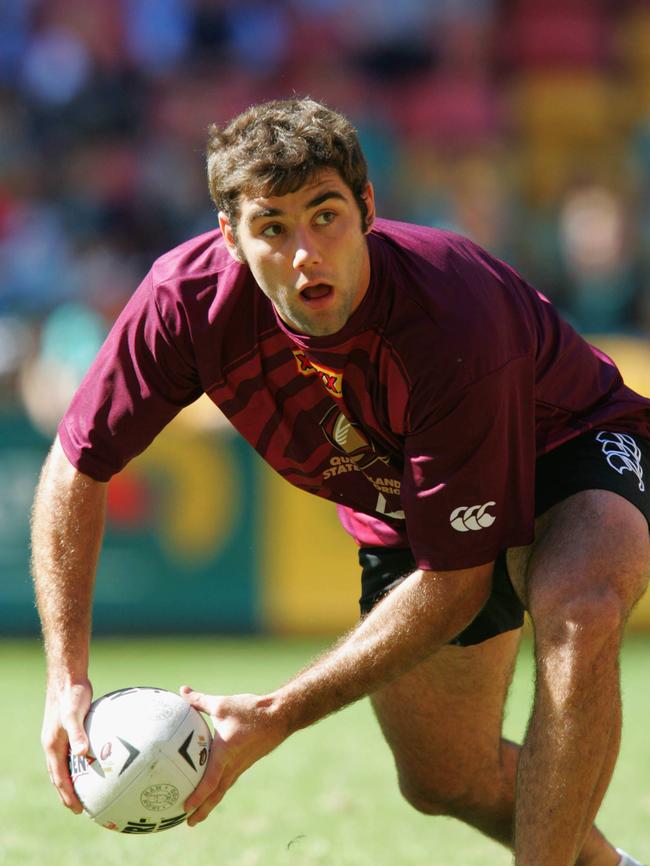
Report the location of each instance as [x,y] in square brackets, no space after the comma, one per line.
[148,751]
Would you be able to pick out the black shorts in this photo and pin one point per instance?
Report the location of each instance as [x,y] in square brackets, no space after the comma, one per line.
[597,460]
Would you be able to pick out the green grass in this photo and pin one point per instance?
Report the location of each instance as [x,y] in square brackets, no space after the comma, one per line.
[325,798]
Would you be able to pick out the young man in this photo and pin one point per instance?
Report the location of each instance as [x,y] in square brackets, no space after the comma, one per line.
[493,461]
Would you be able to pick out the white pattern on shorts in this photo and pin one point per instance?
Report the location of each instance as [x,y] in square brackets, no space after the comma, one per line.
[622,453]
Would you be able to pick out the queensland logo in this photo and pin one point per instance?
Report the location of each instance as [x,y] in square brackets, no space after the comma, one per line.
[472,517]
[622,454]
[349,438]
[331,380]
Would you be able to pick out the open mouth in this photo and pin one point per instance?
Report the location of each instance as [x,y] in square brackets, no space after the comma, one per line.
[316,292]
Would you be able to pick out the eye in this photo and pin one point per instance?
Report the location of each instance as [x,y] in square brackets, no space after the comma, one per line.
[272,230]
[325,217]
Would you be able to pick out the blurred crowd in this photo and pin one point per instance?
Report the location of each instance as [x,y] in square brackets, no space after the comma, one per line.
[524,124]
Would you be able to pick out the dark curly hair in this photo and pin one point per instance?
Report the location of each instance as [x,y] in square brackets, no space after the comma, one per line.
[275,147]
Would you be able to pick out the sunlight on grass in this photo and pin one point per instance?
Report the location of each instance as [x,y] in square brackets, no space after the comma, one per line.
[326,798]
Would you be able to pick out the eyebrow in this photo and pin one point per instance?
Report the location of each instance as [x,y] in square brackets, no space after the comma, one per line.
[314,202]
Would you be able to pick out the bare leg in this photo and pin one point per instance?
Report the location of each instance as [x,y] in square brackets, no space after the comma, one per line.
[580,580]
[443,724]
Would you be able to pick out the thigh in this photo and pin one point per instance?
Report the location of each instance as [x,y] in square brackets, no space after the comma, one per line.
[592,503]
[593,545]
[442,720]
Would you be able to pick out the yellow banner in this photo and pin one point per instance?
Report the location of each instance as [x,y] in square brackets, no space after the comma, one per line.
[310,574]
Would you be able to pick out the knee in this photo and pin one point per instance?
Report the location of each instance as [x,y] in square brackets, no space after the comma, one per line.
[582,585]
[585,621]
[440,798]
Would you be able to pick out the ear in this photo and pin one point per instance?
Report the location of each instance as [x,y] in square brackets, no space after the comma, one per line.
[369,198]
[229,236]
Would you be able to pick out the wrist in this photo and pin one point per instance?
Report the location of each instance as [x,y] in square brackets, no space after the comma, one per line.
[280,709]
[62,678]
[295,706]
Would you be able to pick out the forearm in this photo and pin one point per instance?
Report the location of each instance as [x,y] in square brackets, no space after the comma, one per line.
[67,530]
[419,616]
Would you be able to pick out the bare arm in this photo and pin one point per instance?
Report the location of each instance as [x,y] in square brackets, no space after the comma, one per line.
[419,616]
[67,530]
[423,613]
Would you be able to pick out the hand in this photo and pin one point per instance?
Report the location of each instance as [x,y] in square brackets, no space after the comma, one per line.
[65,710]
[246,727]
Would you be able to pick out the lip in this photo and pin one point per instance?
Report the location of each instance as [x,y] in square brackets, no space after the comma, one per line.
[315,282]
[321,299]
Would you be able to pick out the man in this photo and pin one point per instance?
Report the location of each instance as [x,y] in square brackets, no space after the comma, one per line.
[492,461]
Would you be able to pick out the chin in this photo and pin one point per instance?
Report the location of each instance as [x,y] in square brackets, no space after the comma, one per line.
[323,329]
[313,324]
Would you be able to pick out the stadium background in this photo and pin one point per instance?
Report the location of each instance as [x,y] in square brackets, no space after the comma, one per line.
[524,124]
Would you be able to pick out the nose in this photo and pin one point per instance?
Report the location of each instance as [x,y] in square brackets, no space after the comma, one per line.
[306,252]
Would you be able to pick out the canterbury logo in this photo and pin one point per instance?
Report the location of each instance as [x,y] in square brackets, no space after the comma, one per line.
[622,453]
[469,517]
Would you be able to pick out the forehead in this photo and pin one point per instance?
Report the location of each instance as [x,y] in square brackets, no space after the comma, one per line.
[327,180]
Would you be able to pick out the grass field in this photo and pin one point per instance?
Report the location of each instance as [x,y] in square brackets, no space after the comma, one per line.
[325,798]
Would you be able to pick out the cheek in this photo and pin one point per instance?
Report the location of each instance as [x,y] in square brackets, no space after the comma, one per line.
[269,276]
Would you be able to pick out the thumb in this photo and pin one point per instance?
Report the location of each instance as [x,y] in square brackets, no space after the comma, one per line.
[77,735]
[199,700]
[73,719]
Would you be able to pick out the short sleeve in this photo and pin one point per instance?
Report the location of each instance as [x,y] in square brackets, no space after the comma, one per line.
[469,470]
[143,375]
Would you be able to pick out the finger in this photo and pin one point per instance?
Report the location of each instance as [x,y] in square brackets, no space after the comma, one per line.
[202,812]
[199,700]
[210,781]
[204,790]
[55,746]
[60,778]
[66,793]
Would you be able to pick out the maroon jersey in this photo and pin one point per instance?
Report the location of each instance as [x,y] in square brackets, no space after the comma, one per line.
[421,418]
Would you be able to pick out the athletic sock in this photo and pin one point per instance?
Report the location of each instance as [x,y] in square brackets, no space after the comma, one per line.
[626,860]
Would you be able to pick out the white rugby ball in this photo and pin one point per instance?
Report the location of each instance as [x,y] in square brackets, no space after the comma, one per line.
[148,751]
